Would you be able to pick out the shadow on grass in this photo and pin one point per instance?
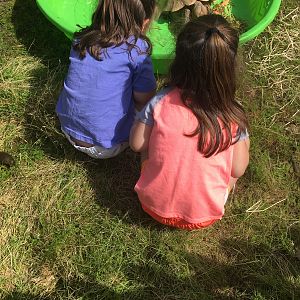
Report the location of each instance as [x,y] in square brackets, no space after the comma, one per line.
[113,180]
[40,37]
[25,296]
[44,41]
[249,271]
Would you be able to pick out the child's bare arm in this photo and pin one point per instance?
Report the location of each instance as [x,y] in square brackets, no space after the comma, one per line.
[240,158]
[141,99]
[140,136]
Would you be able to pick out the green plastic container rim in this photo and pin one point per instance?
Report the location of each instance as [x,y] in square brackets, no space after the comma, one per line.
[245,37]
[262,24]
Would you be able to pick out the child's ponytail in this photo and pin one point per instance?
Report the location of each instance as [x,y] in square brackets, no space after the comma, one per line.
[205,70]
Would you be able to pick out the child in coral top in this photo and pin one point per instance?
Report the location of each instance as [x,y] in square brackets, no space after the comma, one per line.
[194,130]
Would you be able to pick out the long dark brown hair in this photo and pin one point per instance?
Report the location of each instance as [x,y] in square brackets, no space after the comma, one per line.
[114,22]
[204,70]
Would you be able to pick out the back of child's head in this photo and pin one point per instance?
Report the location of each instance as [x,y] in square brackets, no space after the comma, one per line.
[113,23]
[204,71]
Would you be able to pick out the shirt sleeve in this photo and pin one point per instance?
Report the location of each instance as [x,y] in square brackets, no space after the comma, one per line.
[143,78]
[244,135]
[146,114]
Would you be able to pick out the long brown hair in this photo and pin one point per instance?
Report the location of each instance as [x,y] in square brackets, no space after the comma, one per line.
[204,71]
[114,22]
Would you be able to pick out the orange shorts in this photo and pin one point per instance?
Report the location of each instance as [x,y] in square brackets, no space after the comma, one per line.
[177,222]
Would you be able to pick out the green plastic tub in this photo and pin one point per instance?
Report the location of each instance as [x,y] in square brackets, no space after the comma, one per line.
[68,14]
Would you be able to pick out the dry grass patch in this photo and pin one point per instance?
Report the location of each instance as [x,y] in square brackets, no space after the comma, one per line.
[72,228]
[274,62]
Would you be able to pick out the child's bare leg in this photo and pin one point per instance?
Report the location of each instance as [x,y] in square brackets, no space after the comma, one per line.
[232,183]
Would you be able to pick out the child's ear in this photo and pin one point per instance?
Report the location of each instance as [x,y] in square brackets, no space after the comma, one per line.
[146,24]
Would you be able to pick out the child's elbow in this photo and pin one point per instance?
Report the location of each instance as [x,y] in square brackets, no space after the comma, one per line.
[237,173]
[240,158]
[240,169]
[136,146]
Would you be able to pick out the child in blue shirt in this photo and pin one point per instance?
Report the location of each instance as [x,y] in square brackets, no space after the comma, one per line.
[110,75]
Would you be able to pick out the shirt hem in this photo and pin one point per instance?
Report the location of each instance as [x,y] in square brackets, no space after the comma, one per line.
[81,138]
[178,215]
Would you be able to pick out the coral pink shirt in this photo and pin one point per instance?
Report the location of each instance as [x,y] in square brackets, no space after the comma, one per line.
[178,181]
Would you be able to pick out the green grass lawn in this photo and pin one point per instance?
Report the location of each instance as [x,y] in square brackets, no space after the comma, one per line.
[72,228]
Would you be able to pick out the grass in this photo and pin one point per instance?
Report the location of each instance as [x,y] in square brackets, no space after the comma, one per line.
[71,227]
